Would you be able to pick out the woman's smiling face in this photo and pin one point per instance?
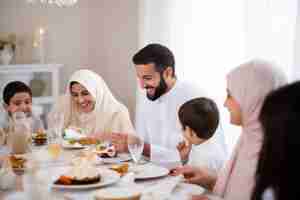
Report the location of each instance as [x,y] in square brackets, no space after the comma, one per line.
[82,98]
[234,109]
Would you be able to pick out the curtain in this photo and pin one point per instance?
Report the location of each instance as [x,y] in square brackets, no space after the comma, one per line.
[209,38]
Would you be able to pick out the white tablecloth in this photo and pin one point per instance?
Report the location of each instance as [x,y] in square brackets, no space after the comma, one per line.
[42,187]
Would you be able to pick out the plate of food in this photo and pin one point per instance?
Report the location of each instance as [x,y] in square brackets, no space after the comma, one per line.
[39,138]
[122,169]
[109,154]
[84,177]
[121,157]
[18,162]
[70,144]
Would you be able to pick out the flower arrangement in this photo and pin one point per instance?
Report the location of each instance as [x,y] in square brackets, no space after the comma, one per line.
[8,41]
[7,48]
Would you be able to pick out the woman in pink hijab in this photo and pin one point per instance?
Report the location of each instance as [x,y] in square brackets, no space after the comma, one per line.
[247,87]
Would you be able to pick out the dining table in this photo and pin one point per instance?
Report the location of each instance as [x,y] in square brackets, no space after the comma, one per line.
[37,180]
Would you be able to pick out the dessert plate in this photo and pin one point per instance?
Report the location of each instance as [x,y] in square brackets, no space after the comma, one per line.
[108,177]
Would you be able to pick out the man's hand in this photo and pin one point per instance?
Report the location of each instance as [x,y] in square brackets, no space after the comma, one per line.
[184,149]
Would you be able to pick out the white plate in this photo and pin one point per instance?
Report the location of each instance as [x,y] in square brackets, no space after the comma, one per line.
[148,171]
[67,145]
[121,157]
[187,188]
[108,177]
[129,192]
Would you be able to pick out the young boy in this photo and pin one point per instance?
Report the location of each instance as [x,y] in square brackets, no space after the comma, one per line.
[199,119]
[17,97]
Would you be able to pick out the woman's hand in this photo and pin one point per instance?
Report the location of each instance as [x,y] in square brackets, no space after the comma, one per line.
[119,140]
[184,149]
[196,175]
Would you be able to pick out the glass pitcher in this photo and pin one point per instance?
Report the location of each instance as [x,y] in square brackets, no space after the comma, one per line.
[20,136]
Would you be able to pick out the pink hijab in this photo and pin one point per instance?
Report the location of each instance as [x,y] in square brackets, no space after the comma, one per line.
[248,84]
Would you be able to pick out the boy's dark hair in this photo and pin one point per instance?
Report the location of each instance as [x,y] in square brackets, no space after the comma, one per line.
[201,115]
[14,87]
[159,55]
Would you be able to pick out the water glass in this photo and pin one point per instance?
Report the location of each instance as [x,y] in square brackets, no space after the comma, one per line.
[135,146]
[55,126]
[54,133]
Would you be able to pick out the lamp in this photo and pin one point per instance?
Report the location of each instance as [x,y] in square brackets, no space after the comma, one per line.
[59,3]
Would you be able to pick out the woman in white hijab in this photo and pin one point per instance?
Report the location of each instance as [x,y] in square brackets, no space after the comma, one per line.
[89,105]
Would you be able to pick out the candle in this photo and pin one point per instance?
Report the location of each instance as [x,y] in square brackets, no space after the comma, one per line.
[42,32]
[41,40]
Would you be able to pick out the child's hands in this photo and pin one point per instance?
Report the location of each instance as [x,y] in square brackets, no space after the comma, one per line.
[184,149]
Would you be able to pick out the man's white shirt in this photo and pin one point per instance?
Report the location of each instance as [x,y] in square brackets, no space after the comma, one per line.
[157,121]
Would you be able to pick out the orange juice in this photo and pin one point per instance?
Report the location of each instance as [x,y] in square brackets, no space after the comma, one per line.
[54,150]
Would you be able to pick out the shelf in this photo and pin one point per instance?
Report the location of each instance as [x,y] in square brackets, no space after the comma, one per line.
[43,100]
[25,73]
[29,68]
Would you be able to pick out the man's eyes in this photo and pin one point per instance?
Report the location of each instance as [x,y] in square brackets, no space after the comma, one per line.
[82,94]
[147,78]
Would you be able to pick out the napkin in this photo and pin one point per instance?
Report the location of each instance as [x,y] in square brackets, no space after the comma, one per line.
[72,134]
[125,188]
[162,190]
[7,176]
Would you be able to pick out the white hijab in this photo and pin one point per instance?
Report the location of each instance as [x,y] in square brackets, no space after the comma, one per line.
[248,84]
[101,119]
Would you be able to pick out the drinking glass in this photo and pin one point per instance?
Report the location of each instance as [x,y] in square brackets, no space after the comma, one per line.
[54,150]
[55,126]
[135,146]
[54,133]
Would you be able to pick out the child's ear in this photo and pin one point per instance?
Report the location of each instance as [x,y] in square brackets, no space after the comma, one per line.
[193,134]
[189,131]
[5,106]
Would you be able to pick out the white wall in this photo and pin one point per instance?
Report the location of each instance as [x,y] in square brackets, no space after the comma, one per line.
[296,69]
[100,34]
[271,31]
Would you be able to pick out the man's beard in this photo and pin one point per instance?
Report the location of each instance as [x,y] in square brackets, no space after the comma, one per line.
[159,90]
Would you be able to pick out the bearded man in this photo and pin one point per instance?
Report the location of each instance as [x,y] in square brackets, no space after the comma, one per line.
[156,112]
